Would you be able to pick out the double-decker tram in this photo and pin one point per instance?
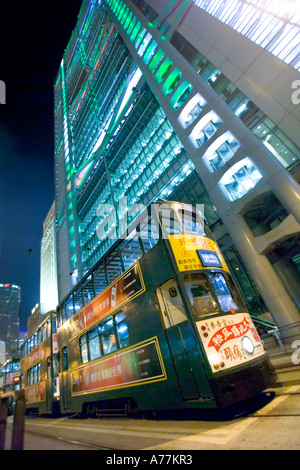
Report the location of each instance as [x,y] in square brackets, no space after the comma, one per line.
[10,380]
[39,368]
[10,376]
[158,324]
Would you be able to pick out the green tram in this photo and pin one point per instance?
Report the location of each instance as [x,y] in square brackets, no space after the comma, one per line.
[10,376]
[10,380]
[158,324]
[39,368]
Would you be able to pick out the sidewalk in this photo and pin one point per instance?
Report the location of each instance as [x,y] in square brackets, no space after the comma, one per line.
[288,373]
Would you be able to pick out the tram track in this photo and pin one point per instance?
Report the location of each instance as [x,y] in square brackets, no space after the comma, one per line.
[162,433]
[78,443]
[71,442]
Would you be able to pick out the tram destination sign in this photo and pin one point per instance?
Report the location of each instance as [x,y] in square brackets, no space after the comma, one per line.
[125,288]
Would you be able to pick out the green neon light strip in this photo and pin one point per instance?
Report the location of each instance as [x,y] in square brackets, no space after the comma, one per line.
[131,26]
[140,38]
[171,82]
[181,95]
[156,60]
[135,31]
[121,12]
[170,4]
[163,70]
[88,19]
[128,20]
[184,90]
[149,52]
[124,16]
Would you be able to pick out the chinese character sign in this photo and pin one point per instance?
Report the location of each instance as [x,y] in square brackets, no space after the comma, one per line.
[230,340]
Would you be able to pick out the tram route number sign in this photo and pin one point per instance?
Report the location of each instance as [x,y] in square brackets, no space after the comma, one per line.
[125,288]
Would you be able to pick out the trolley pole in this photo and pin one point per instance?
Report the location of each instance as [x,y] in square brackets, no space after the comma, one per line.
[3,415]
[17,441]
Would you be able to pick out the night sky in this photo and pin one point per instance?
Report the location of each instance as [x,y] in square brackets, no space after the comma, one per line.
[33,37]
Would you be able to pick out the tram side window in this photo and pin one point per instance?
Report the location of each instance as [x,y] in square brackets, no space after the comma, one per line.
[122,329]
[94,344]
[83,349]
[108,336]
[48,367]
[64,359]
[34,374]
[200,295]
[44,332]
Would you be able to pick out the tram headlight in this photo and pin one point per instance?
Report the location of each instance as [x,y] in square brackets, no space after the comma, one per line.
[247,345]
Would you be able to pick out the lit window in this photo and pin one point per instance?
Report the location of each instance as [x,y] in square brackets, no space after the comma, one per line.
[191,110]
[221,151]
[144,44]
[240,179]
[205,128]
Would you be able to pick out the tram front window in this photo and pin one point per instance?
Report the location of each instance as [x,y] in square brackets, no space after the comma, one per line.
[222,291]
[200,295]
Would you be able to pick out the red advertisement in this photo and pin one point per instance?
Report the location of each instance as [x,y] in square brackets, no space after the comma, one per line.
[36,392]
[34,357]
[11,377]
[134,366]
[227,333]
[230,340]
[127,286]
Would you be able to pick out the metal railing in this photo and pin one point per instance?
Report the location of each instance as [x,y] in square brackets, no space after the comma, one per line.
[282,340]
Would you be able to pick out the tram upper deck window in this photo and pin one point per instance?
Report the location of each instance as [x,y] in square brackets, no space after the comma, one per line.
[191,222]
[169,220]
[225,290]
[200,295]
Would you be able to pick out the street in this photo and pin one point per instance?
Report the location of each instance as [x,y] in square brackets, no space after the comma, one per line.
[270,422]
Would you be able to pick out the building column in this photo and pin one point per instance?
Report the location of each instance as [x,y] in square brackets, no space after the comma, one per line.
[290,278]
[275,296]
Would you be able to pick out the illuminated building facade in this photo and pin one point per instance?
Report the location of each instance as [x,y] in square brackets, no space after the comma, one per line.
[48,265]
[10,298]
[165,99]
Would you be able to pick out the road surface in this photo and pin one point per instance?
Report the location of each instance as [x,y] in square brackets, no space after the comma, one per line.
[270,422]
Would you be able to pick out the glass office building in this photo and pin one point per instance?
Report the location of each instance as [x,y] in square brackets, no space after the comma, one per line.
[174,100]
[10,298]
[48,265]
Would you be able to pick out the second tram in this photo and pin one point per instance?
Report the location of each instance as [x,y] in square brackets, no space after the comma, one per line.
[10,380]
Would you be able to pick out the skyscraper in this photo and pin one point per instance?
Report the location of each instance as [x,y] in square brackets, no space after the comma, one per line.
[10,297]
[181,100]
[48,280]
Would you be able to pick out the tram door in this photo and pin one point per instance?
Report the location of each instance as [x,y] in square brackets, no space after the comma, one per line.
[182,344]
[64,381]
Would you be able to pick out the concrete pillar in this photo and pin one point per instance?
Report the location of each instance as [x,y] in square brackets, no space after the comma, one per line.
[275,296]
[290,278]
